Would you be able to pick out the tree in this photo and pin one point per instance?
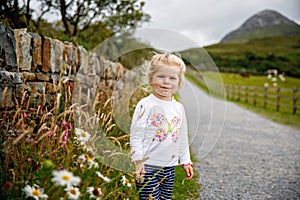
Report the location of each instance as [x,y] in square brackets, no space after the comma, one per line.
[19,14]
[75,15]
[13,14]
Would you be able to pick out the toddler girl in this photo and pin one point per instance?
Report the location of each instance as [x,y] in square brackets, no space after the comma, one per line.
[158,133]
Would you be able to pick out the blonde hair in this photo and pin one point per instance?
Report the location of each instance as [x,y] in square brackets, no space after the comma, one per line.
[166,59]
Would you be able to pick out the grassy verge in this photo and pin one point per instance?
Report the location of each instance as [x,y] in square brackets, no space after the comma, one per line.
[185,189]
[194,80]
[284,118]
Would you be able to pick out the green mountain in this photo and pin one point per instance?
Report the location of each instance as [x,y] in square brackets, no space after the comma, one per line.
[266,23]
[252,57]
[268,40]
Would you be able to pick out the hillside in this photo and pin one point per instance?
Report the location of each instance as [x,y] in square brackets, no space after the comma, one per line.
[254,56]
[266,23]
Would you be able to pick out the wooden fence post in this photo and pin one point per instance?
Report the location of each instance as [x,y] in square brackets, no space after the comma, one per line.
[233,92]
[236,92]
[246,94]
[228,91]
[265,96]
[239,93]
[294,101]
[278,99]
[254,96]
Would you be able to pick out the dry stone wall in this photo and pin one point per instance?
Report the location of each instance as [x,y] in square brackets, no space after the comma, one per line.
[35,64]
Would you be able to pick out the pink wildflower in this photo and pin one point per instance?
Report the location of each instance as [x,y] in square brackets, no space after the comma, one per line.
[27,115]
[65,137]
[50,134]
[64,122]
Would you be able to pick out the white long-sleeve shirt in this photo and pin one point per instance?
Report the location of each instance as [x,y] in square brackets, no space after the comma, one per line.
[159,133]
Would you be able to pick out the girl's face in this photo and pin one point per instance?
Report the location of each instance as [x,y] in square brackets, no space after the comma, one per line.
[165,82]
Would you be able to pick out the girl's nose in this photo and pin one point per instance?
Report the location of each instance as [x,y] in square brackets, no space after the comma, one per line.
[166,81]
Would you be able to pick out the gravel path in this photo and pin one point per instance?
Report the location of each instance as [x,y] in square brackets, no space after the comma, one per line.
[241,155]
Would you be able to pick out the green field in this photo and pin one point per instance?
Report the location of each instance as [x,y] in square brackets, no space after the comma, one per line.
[283,116]
[252,80]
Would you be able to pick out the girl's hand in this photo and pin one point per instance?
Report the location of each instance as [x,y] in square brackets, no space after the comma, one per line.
[140,172]
[188,168]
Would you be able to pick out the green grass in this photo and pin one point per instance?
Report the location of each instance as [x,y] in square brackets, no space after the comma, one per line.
[252,80]
[283,116]
[195,80]
[186,189]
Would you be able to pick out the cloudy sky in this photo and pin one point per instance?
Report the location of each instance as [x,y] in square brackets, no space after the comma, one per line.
[206,22]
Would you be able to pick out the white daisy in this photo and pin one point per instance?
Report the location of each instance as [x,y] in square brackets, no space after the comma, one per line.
[73,192]
[82,135]
[81,158]
[125,181]
[106,179]
[92,163]
[89,149]
[65,178]
[95,193]
[34,192]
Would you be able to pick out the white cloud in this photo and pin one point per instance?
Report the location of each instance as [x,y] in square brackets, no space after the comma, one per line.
[208,21]
[205,22]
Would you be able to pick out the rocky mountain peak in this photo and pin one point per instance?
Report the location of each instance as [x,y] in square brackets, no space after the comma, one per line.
[266,18]
[261,20]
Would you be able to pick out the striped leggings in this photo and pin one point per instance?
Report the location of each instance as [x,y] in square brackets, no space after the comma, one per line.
[158,183]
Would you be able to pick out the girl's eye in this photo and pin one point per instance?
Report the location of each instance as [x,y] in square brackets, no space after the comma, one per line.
[173,78]
[161,76]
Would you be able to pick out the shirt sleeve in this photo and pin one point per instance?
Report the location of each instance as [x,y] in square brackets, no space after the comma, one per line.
[137,130]
[184,151]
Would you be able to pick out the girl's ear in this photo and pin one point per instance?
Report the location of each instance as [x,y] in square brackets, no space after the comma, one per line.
[151,80]
[151,83]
